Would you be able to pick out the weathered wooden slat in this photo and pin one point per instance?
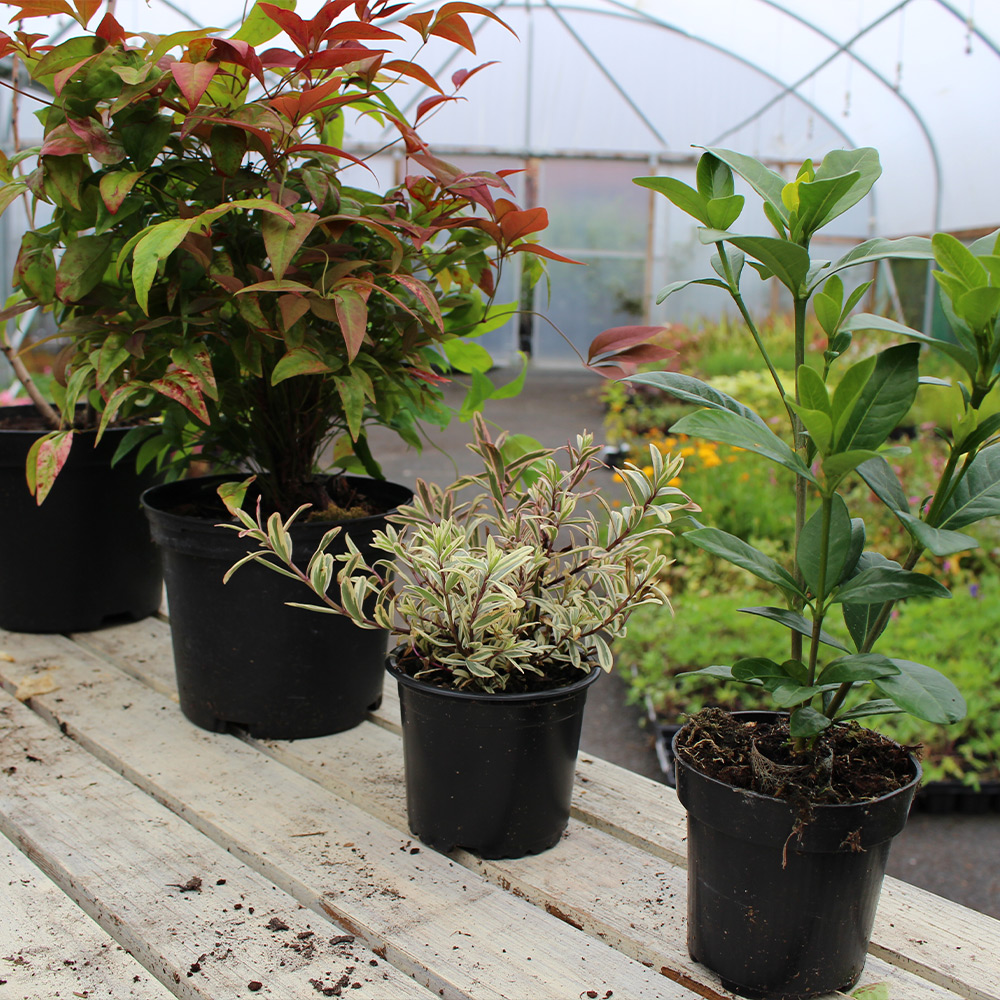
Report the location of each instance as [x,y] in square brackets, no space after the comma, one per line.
[194,916]
[452,930]
[49,948]
[645,814]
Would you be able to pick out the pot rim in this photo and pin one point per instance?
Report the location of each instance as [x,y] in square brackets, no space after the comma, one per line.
[511,698]
[824,806]
[153,499]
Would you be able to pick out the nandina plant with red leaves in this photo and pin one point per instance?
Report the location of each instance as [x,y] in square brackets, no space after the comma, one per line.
[206,259]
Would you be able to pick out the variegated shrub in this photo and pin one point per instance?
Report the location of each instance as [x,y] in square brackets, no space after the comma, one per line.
[520,586]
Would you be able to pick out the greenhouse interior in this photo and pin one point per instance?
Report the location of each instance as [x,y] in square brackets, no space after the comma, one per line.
[582,97]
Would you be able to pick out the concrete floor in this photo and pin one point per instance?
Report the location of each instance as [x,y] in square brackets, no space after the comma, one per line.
[957,856]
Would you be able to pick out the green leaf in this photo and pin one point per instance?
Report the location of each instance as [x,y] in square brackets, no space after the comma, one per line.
[812,390]
[744,555]
[233,494]
[955,259]
[467,357]
[68,54]
[877,706]
[82,267]
[735,259]
[977,494]
[978,307]
[788,262]
[848,391]
[158,243]
[676,286]
[257,27]
[827,312]
[924,692]
[796,622]
[714,178]
[766,182]
[861,165]
[835,467]
[905,248]
[684,197]
[692,390]
[732,428]
[759,668]
[859,618]
[352,395]
[723,212]
[838,543]
[282,240]
[937,541]
[884,400]
[868,321]
[878,584]
[878,474]
[821,200]
[805,723]
[857,667]
[817,423]
[300,361]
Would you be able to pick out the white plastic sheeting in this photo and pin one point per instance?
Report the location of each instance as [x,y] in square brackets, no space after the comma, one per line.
[593,92]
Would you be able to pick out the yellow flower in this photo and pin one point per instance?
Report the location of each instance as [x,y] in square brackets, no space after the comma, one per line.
[676,481]
[647,470]
[617,478]
[711,460]
[687,451]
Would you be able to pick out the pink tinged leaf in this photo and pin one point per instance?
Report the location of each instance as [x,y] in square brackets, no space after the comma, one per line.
[541,251]
[230,283]
[193,79]
[459,77]
[65,75]
[352,314]
[62,141]
[46,458]
[242,53]
[278,58]
[183,388]
[115,187]
[293,308]
[101,145]
[424,295]
[618,339]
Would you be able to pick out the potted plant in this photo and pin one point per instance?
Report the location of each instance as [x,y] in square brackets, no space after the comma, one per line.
[790,816]
[272,309]
[502,605]
[91,518]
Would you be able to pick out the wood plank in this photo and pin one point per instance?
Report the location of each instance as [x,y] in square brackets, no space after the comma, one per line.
[49,948]
[452,930]
[646,814]
[128,863]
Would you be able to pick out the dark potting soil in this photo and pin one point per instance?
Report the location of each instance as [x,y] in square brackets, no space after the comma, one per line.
[522,683]
[848,763]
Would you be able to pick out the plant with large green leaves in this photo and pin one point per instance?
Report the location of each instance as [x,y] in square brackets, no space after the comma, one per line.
[206,258]
[840,415]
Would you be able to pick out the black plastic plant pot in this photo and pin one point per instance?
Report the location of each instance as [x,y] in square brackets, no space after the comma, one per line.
[83,558]
[778,909]
[491,773]
[243,658]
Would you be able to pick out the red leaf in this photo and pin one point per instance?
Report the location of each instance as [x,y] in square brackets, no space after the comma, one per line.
[432,102]
[332,150]
[65,75]
[419,22]
[230,283]
[40,8]
[454,29]
[293,308]
[351,30]
[110,30]
[541,251]
[193,79]
[87,9]
[241,53]
[519,223]
[460,77]
[352,314]
[290,23]
[62,141]
[618,339]
[405,68]
[343,55]
[278,57]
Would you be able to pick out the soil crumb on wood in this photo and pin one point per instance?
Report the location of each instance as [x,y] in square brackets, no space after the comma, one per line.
[847,763]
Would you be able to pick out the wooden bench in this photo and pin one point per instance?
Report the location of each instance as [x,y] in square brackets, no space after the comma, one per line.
[142,857]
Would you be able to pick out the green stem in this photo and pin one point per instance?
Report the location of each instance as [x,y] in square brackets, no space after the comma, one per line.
[800,483]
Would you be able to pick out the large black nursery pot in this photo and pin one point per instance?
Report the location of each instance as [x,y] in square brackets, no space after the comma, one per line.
[492,773]
[779,914]
[84,557]
[243,658]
